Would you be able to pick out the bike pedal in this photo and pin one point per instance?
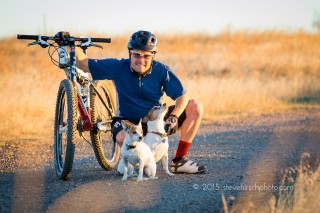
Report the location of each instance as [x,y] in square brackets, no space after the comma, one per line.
[101,127]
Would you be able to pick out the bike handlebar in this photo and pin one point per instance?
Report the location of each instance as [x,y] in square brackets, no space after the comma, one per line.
[31,37]
[63,39]
[105,40]
[45,38]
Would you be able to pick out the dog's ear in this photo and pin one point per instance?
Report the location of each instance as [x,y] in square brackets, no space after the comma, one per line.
[125,124]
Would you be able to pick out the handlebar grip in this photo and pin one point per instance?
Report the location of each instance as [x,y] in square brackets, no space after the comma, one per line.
[105,40]
[29,37]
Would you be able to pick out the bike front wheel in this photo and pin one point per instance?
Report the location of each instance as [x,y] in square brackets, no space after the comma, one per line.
[65,129]
[103,106]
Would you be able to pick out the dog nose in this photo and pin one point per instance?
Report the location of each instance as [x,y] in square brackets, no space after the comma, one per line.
[140,138]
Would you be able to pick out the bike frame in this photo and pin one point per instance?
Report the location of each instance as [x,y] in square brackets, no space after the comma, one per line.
[83,99]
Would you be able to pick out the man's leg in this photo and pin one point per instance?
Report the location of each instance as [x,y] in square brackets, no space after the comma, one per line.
[118,137]
[189,128]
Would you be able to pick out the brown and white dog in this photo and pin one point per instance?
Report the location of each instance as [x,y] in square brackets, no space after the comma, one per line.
[156,138]
[136,153]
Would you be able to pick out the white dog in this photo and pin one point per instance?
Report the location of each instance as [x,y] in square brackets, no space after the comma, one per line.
[136,153]
[156,138]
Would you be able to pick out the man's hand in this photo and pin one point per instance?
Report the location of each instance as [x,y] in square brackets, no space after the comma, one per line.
[171,124]
[82,60]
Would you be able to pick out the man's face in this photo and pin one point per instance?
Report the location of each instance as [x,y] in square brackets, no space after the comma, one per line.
[141,60]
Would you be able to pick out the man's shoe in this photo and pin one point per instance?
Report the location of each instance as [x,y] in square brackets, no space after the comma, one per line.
[184,165]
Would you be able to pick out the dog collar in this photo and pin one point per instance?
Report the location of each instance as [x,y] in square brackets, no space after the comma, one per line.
[162,135]
[130,146]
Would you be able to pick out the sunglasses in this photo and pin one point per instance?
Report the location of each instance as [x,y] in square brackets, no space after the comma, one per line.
[141,55]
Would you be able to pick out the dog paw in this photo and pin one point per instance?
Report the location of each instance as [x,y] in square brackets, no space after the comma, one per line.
[132,175]
[170,174]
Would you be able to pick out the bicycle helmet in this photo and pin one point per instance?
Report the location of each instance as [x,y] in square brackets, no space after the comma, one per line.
[143,40]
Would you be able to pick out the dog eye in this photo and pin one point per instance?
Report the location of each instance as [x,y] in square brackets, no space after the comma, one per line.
[134,132]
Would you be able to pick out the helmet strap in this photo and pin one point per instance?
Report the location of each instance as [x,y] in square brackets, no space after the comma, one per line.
[129,54]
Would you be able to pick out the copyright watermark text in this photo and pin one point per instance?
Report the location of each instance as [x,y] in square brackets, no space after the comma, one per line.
[241,187]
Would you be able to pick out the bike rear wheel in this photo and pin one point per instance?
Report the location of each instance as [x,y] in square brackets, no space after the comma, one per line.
[106,150]
[65,129]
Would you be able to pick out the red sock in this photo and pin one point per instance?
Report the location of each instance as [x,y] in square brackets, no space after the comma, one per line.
[182,150]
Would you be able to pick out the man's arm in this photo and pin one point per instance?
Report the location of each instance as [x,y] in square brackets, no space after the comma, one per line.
[82,60]
[181,104]
[171,124]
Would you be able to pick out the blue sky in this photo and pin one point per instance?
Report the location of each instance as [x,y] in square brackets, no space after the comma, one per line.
[126,16]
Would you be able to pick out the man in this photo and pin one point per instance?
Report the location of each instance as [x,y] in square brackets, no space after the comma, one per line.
[140,82]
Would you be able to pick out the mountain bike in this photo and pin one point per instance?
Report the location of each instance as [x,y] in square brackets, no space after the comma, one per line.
[82,105]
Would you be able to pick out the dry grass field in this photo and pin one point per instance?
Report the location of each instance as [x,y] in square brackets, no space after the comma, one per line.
[232,73]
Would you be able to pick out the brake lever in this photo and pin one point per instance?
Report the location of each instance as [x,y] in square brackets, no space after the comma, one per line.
[89,43]
[41,42]
[86,44]
[96,45]
[33,43]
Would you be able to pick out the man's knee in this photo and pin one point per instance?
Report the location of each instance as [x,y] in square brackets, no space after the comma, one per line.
[194,108]
[120,137]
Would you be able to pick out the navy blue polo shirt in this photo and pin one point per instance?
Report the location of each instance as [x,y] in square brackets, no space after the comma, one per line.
[137,95]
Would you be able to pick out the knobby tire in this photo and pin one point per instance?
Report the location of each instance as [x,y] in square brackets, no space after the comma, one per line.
[106,151]
[65,117]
